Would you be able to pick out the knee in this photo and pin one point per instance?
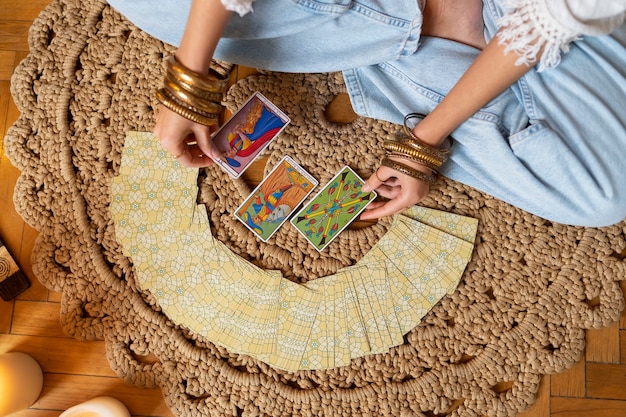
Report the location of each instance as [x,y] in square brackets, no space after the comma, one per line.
[607,210]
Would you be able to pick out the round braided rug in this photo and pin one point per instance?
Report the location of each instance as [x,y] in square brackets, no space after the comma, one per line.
[527,296]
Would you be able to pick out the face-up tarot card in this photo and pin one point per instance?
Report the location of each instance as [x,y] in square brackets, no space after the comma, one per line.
[247,133]
[333,208]
[274,200]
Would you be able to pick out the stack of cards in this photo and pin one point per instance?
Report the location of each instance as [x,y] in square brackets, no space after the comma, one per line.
[200,284]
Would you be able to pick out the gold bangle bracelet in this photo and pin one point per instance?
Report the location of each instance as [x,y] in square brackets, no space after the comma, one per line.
[402,137]
[204,82]
[411,152]
[409,132]
[181,111]
[195,102]
[407,170]
[416,142]
[205,95]
[428,165]
[177,101]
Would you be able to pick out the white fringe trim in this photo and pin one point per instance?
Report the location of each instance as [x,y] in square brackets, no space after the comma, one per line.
[241,7]
[527,27]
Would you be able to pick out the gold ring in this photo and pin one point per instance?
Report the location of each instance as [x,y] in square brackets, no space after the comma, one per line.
[179,155]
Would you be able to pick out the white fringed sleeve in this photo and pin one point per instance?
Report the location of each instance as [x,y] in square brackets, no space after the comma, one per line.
[241,7]
[532,25]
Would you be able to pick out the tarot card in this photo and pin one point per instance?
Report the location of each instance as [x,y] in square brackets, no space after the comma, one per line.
[298,309]
[342,336]
[320,350]
[274,200]
[333,208]
[247,133]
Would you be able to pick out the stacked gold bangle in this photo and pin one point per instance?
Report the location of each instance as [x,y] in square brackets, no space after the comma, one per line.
[409,147]
[194,96]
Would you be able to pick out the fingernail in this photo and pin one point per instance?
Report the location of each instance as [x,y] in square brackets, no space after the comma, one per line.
[366,187]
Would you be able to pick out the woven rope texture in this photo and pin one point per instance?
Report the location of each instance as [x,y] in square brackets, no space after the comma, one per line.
[527,296]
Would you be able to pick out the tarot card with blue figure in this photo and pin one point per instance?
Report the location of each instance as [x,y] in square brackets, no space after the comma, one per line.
[274,200]
[247,133]
[333,208]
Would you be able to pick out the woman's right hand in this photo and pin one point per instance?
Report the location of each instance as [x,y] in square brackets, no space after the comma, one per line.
[188,142]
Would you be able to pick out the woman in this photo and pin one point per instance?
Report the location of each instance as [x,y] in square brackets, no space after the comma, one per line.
[552,142]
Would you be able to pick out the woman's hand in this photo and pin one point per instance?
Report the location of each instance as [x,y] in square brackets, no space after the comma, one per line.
[403,191]
[188,142]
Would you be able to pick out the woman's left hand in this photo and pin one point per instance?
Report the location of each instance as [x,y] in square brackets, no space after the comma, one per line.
[403,191]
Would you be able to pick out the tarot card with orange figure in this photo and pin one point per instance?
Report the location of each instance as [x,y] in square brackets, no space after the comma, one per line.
[273,201]
[247,133]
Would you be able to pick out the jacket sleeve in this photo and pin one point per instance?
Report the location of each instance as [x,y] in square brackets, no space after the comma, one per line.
[529,26]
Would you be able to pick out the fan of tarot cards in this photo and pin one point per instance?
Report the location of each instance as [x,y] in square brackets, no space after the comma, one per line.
[359,310]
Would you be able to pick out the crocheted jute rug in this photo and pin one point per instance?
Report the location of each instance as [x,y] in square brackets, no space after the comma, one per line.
[521,310]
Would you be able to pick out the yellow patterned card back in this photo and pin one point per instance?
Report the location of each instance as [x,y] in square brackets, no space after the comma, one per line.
[201,284]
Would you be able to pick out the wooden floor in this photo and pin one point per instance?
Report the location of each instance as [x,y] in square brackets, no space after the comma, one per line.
[77,371]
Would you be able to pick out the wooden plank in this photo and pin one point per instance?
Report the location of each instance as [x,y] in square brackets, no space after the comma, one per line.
[570,383]
[6,313]
[11,224]
[19,56]
[62,391]
[622,284]
[54,296]
[541,407]
[602,345]
[58,355]
[606,381]
[14,35]
[37,291]
[37,318]
[22,10]
[12,112]
[622,340]
[7,62]
[36,413]
[5,98]
[575,407]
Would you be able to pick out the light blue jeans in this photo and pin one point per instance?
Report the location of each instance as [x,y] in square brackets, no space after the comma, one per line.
[553,144]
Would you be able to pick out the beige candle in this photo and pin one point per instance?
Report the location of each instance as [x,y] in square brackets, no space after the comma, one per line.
[98,407]
[21,381]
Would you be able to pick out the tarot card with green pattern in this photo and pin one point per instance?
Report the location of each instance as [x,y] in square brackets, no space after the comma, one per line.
[333,208]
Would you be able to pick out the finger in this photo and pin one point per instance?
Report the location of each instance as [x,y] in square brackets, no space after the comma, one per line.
[373,182]
[388,191]
[193,157]
[386,209]
[199,161]
[205,143]
[373,205]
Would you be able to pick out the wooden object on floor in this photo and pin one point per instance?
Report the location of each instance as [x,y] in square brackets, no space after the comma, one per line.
[75,371]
